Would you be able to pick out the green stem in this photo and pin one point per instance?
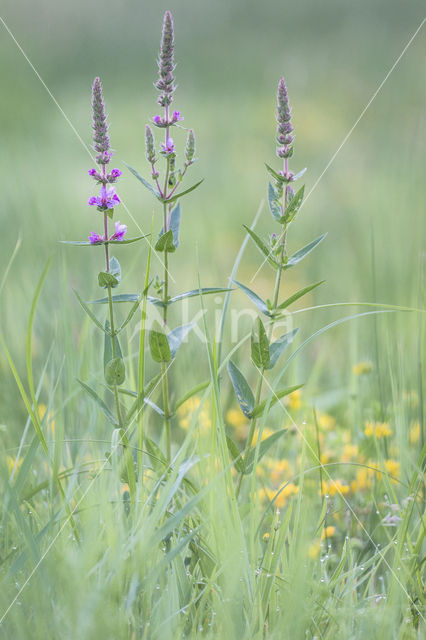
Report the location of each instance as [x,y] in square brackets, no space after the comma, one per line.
[165,379]
[271,328]
[127,452]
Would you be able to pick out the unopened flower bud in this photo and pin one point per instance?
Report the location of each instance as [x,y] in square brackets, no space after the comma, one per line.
[150,145]
[190,148]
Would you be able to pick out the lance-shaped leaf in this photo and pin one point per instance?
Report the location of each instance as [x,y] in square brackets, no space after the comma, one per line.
[298,295]
[299,175]
[278,347]
[177,336]
[101,404]
[115,372]
[144,182]
[294,205]
[242,390]
[165,242]
[264,447]
[262,247]
[175,196]
[260,408]
[108,352]
[235,454]
[192,392]
[275,174]
[299,255]
[175,223]
[89,312]
[159,346]
[130,315]
[274,207]
[260,304]
[188,294]
[260,345]
[121,297]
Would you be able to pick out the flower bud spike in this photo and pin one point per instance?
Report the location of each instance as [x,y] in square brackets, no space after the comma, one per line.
[190,148]
[150,145]
[166,64]
[284,129]
[101,142]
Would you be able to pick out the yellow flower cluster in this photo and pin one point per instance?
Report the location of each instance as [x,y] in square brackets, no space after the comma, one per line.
[289,490]
[361,368]
[49,419]
[187,411]
[331,487]
[377,429]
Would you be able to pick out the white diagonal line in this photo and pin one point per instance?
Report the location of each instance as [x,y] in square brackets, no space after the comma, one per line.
[78,136]
[348,135]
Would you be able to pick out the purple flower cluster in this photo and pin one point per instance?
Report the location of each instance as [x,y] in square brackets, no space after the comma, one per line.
[167,122]
[284,126]
[110,177]
[106,199]
[119,233]
[168,147]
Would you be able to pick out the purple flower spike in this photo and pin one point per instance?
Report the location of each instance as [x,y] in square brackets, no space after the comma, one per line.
[120,231]
[166,64]
[106,199]
[169,147]
[101,142]
[95,238]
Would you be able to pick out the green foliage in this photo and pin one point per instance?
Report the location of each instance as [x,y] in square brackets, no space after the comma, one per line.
[260,346]
[242,389]
[159,346]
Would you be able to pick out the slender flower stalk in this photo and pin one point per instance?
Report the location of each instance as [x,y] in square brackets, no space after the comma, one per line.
[284,141]
[105,203]
[167,186]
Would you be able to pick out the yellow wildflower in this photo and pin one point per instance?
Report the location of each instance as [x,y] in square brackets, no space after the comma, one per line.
[328,532]
[326,422]
[50,422]
[393,468]
[377,429]
[278,470]
[414,433]
[266,494]
[266,537]
[362,480]
[294,400]
[335,486]
[236,418]
[12,463]
[361,368]
[265,434]
[411,397]
[350,451]
[314,549]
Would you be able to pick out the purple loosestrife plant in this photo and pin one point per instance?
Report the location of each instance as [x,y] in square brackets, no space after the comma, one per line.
[166,188]
[105,203]
[284,205]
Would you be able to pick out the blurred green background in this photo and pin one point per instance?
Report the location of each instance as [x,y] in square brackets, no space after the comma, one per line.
[230,55]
